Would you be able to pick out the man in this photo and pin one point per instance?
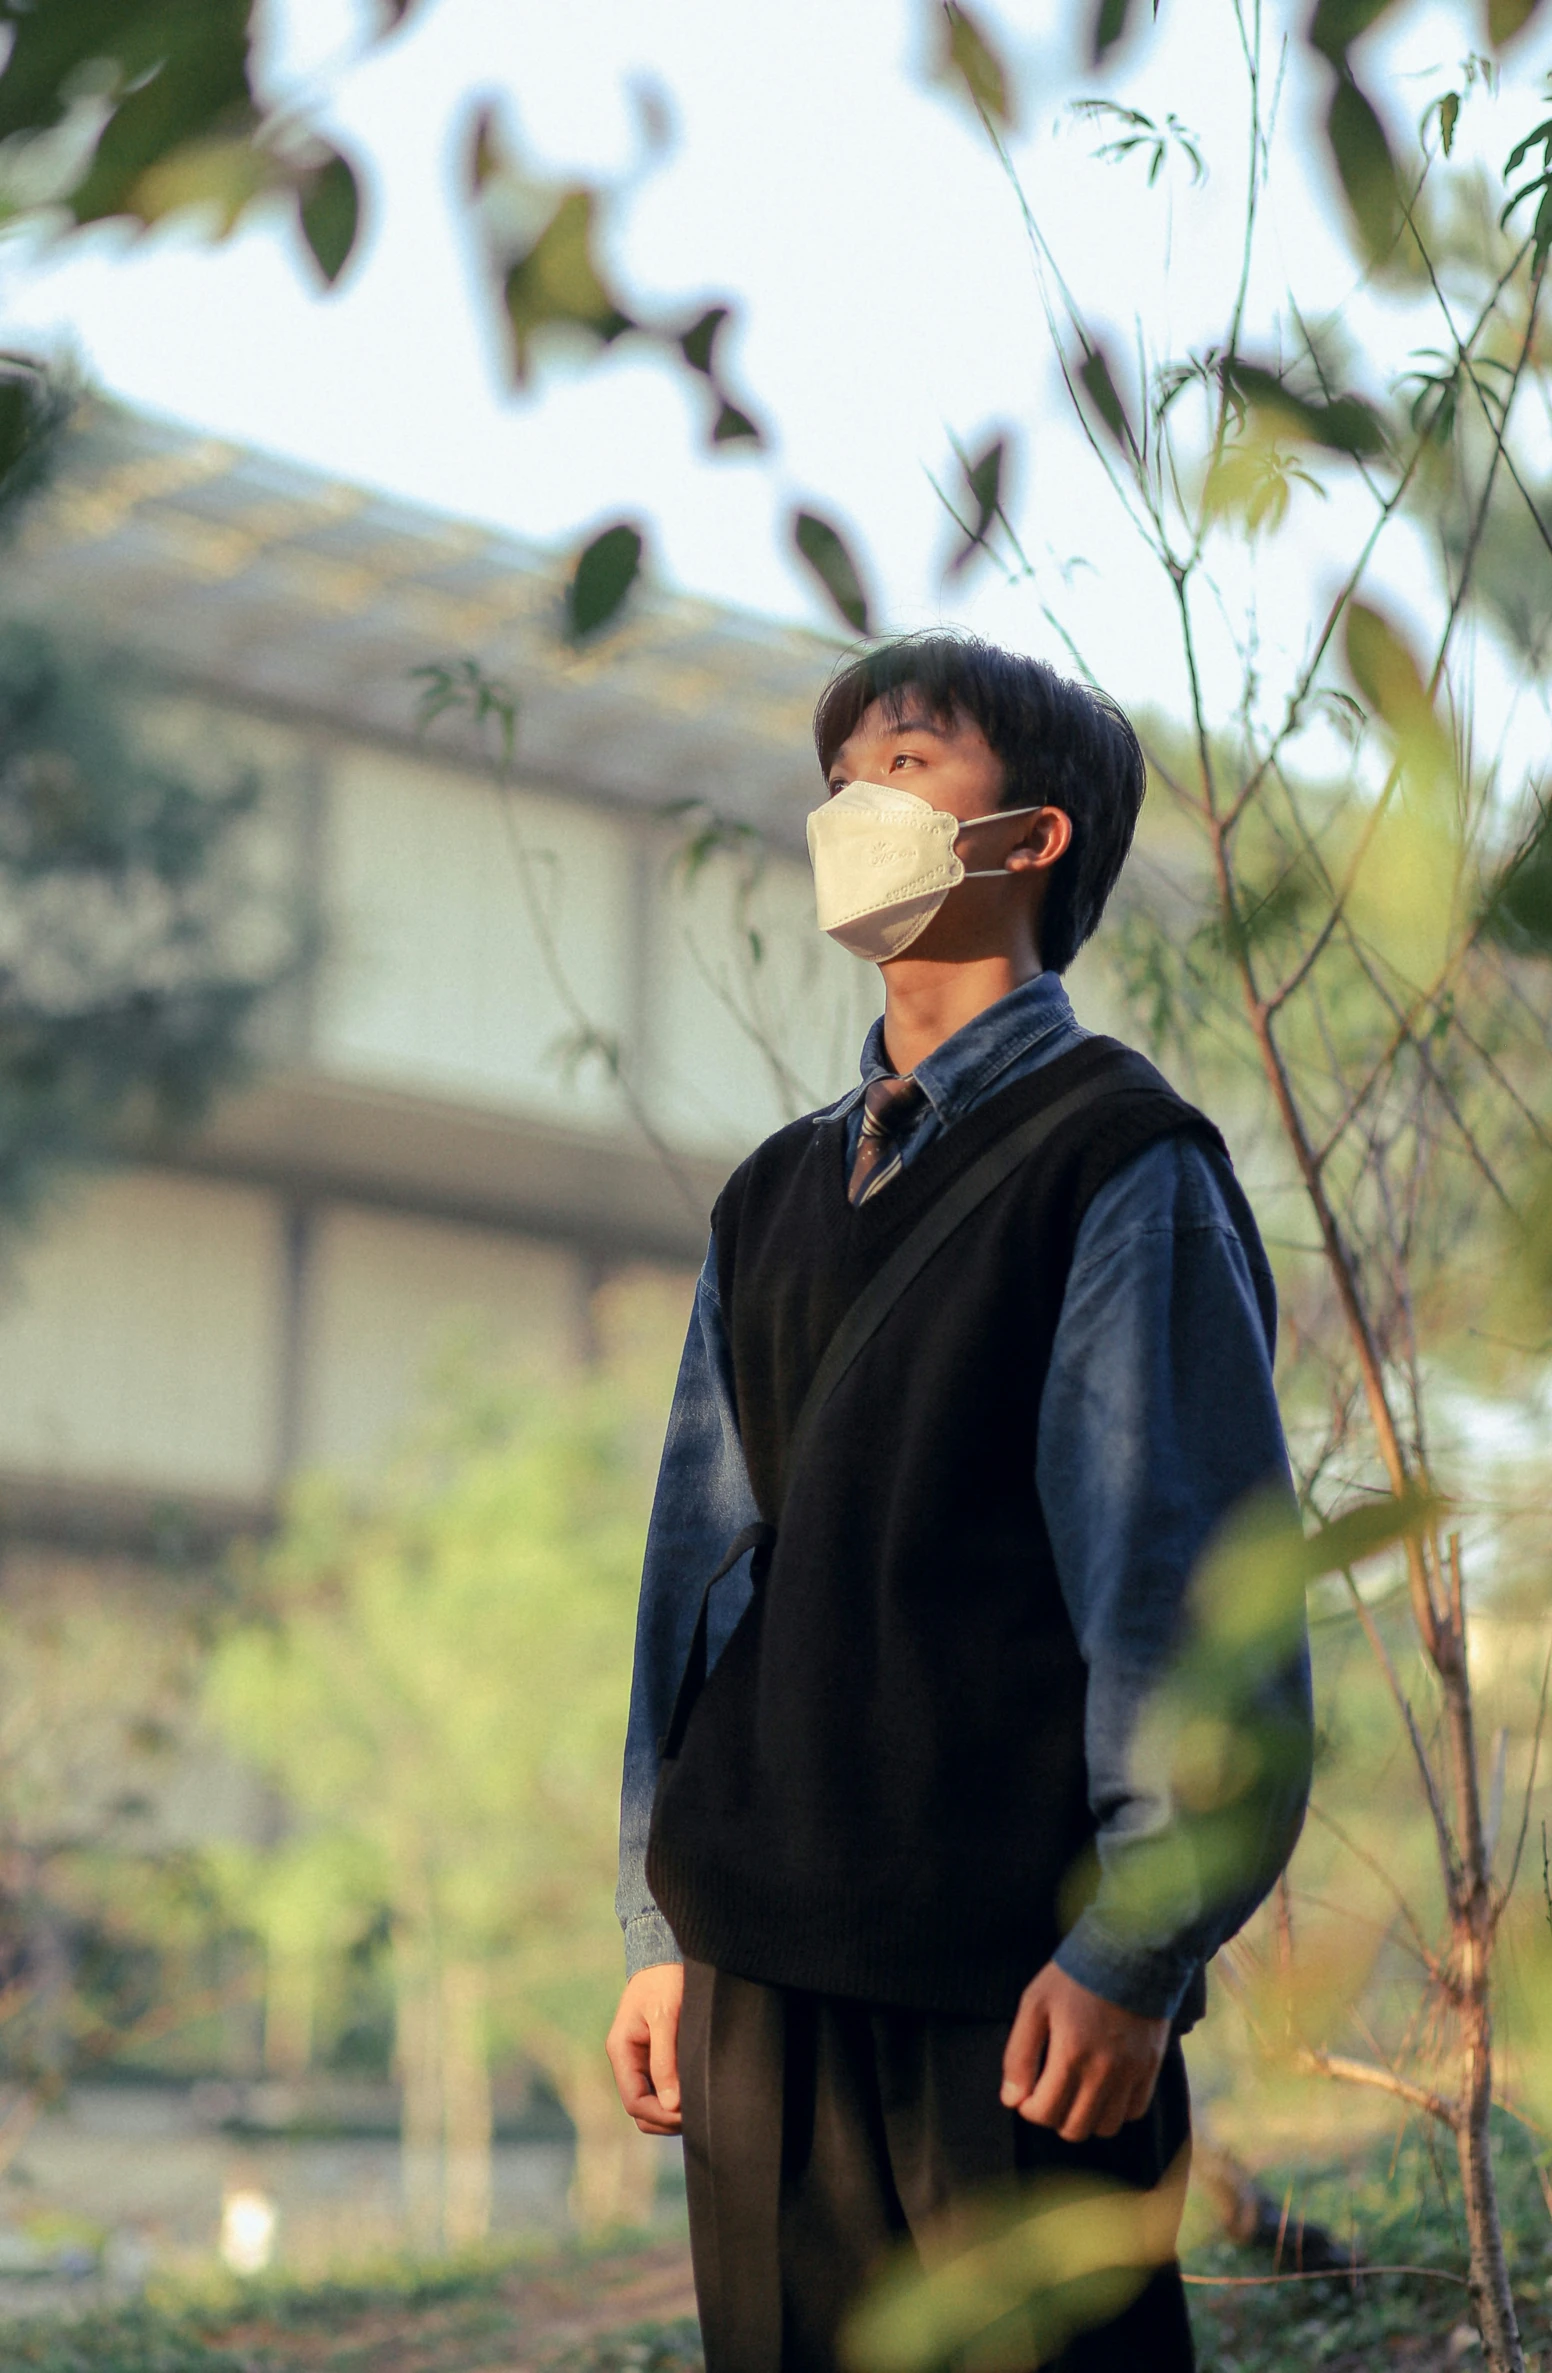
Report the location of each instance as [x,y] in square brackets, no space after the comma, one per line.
[883,1945]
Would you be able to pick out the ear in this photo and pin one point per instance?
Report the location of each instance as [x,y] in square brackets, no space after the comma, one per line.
[1047,838]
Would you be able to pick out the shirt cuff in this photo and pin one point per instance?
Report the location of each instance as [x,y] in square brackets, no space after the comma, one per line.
[1151,1981]
[649,1942]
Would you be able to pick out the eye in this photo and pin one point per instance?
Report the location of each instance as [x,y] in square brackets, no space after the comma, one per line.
[906,758]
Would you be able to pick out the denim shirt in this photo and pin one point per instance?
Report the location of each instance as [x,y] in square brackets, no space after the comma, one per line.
[1158,1415]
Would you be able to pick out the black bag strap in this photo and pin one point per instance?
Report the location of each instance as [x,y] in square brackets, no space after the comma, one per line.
[958,1202]
[954,1206]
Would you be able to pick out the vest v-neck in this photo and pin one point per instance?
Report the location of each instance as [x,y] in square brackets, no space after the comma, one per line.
[865,1226]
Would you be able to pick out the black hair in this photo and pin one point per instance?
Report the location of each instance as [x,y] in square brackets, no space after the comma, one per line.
[1061,745]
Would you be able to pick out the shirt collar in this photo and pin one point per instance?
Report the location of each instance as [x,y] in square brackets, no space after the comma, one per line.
[956,1074]
[959,1072]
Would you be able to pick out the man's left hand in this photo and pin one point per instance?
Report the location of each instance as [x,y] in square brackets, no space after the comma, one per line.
[1077,2063]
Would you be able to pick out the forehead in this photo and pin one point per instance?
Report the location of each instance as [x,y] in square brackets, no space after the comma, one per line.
[906,708]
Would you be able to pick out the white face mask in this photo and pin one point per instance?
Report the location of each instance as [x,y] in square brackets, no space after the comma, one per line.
[883,864]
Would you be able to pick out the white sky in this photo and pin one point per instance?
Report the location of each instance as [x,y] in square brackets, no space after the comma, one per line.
[885,295]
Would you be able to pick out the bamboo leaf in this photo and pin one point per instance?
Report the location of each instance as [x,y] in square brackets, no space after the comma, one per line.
[1365,166]
[831,562]
[330,208]
[603,576]
[1389,677]
[1449,117]
[968,58]
[1095,377]
[983,485]
[1343,424]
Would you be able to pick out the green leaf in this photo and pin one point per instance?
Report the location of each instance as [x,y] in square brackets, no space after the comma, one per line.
[1363,1532]
[1110,18]
[557,281]
[1541,228]
[1337,24]
[185,76]
[1391,681]
[1449,117]
[1519,906]
[733,426]
[1506,18]
[193,58]
[1343,424]
[603,576]
[1541,138]
[826,554]
[968,58]
[1100,387]
[983,485]
[331,217]
[1364,166]
[463,684]
[698,342]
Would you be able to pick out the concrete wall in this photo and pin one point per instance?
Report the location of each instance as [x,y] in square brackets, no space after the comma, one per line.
[197,1336]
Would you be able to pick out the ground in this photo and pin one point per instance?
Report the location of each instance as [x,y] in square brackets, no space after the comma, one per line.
[630,2308]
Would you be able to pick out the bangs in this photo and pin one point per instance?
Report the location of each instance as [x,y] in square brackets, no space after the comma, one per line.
[932,666]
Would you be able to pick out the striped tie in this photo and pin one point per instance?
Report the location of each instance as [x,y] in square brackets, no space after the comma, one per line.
[889,1106]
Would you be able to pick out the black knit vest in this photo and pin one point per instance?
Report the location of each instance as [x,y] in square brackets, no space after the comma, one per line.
[882,1789]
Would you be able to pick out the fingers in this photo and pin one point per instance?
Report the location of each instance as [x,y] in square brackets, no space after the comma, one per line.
[1025,2049]
[1078,2063]
[1064,2079]
[663,2058]
[642,2046]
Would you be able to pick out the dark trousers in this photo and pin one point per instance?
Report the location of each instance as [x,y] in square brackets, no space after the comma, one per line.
[821,2135]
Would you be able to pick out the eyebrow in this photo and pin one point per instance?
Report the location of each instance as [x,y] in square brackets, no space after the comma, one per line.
[943,733]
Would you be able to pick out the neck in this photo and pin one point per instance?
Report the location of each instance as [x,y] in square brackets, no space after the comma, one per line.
[926,1001]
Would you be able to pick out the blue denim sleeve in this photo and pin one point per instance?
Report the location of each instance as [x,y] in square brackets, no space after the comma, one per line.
[703,1498]
[1158,1416]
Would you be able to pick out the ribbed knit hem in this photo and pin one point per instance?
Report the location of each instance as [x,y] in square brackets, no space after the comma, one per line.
[888,1953]
[649,1942]
[1151,1981]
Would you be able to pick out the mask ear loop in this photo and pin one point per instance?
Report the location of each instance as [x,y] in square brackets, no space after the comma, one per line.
[997,815]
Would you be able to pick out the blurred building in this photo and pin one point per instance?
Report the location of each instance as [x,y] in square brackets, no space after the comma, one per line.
[531,1048]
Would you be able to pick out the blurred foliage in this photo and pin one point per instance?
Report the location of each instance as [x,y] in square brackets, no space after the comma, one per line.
[436,1681]
[829,558]
[1020,2278]
[144,109]
[139,109]
[139,937]
[104,1917]
[604,575]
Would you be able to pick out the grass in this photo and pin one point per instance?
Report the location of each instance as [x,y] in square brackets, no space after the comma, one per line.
[1402,2206]
[400,2316]
[510,2307]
